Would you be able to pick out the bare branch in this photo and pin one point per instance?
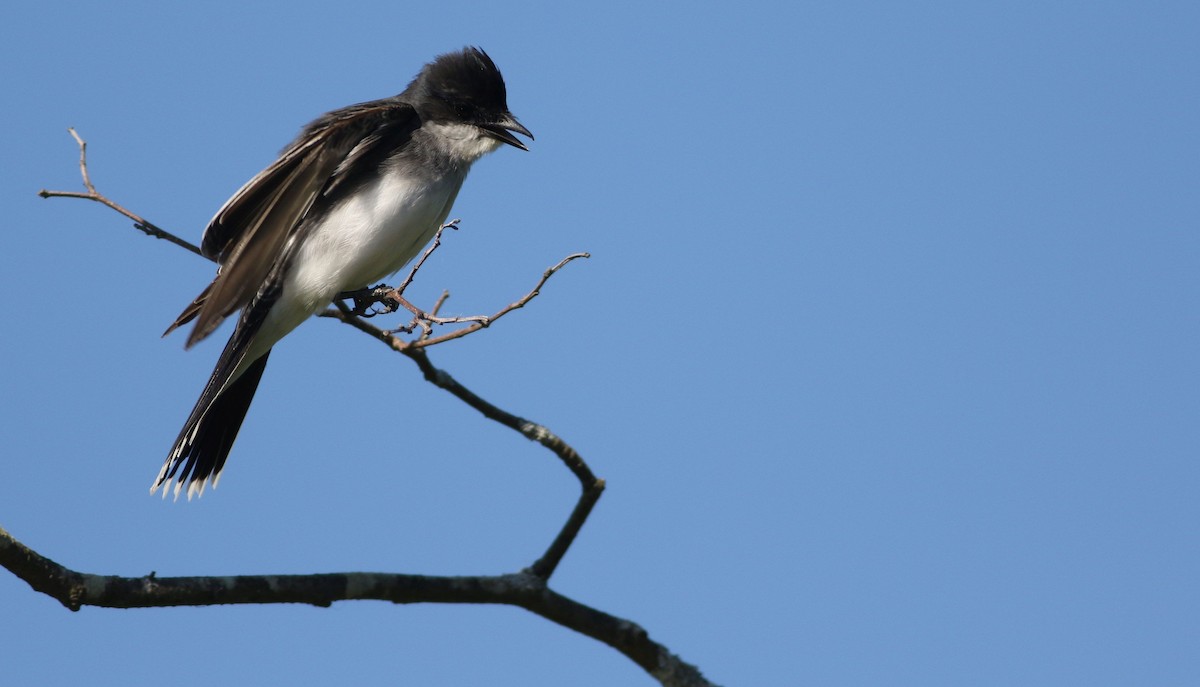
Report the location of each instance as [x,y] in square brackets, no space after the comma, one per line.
[92,194]
[83,170]
[437,241]
[75,590]
[365,298]
[477,321]
[592,487]
[437,305]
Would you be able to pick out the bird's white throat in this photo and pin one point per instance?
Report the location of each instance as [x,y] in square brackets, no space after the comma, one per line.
[463,142]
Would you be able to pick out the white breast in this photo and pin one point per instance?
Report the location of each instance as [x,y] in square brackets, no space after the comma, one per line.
[368,236]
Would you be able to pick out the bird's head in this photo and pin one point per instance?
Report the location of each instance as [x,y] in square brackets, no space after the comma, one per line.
[465,87]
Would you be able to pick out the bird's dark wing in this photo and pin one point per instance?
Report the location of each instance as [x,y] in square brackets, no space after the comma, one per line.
[251,231]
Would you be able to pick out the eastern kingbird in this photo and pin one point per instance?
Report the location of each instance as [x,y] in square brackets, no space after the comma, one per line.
[349,202]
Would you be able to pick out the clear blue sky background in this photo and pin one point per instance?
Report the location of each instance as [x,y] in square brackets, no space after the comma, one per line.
[887,350]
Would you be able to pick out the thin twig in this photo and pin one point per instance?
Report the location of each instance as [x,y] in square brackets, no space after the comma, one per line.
[487,321]
[437,241]
[92,194]
[437,305]
[83,168]
[424,320]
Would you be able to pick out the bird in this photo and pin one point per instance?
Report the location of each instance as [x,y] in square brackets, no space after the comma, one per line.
[350,201]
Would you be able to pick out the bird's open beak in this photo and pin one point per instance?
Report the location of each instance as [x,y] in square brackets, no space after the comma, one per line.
[501,131]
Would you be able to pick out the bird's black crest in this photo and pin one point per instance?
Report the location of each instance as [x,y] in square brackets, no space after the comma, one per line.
[466,78]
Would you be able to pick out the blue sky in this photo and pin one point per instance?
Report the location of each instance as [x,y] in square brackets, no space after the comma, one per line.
[887,348]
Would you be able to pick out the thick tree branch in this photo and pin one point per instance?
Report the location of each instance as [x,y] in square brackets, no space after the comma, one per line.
[526,589]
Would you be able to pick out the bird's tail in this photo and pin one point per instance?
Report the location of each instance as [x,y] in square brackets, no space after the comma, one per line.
[206,438]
